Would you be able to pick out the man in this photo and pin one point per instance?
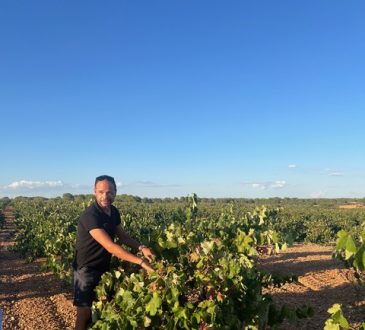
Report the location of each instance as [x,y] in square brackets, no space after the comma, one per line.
[96,229]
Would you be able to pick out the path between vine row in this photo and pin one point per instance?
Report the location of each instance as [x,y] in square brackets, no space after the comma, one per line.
[31,298]
[323,281]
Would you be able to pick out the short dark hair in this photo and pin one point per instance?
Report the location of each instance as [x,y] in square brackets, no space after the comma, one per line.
[108,178]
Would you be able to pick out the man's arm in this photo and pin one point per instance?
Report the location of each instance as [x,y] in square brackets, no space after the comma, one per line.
[126,239]
[104,240]
[132,243]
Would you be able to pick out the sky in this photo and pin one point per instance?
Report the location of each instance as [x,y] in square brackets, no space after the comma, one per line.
[247,99]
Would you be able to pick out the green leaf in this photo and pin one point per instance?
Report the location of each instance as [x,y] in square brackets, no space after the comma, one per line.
[350,248]
[169,236]
[128,299]
[171,245]
[334,309]
[154,304]
[341,240]
[181,240]
[242,241]
[117,274]
[133,322]
[161,243]
[329,325]
[146,322]
[197,316]
[180,313]
[207,246]
[172,295]
[337,318]
[343,322]
[274,237]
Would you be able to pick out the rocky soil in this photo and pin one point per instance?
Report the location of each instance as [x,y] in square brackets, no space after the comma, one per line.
[322,282]
[29,297]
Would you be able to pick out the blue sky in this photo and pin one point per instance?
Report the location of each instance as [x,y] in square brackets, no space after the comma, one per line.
[221,98]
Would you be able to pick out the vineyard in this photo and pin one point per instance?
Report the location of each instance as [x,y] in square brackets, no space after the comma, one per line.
[212,262]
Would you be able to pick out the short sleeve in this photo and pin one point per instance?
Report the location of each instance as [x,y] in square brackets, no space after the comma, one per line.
[90,221]
[118,219]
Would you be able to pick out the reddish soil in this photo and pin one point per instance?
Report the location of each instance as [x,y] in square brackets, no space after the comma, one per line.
[33,299]
[322,282]
[29,297]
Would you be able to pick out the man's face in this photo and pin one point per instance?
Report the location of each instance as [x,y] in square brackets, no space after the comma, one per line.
[104,193]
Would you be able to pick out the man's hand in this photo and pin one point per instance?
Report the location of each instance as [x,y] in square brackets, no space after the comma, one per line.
[146,266]
[147,253]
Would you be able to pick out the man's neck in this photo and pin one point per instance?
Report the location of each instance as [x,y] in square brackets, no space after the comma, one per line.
[106,210]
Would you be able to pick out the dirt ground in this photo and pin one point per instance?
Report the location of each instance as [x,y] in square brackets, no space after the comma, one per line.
[322,282]
[32,299]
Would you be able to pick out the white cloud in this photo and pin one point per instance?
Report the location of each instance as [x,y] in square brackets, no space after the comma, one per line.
[269,185]
[278,184]
[335,174]
[47,188]
[258,185]
[332,172]
[145,183]
[292,166]
[27,184]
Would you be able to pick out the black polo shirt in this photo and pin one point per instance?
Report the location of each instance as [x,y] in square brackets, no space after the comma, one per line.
[89,253]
